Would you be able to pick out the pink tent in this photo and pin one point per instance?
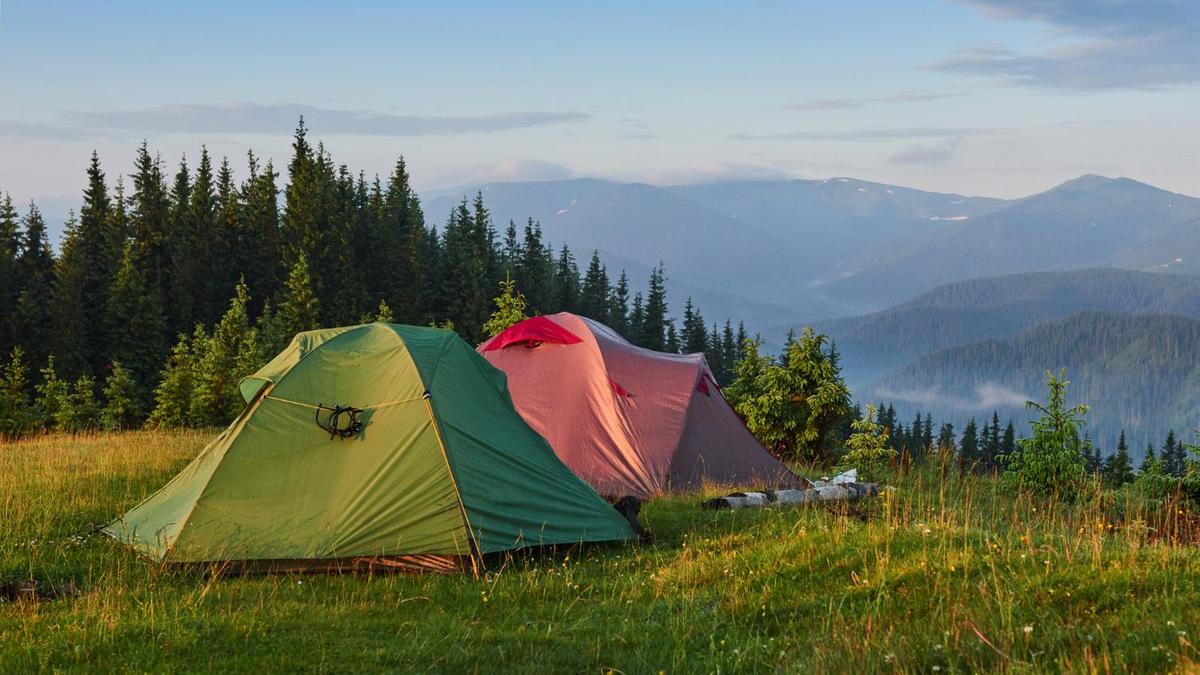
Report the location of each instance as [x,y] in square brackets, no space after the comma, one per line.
[628,420]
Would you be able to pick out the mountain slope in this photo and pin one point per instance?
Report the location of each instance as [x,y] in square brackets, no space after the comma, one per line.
[1087,222]
[1000,307]
[1138,373]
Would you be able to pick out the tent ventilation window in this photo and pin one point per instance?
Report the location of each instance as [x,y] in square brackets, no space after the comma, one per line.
[341,421]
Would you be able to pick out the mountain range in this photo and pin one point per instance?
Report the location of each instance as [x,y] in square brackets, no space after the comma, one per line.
[779,254]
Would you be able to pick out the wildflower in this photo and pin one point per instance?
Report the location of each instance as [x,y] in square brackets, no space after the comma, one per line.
[1029,630]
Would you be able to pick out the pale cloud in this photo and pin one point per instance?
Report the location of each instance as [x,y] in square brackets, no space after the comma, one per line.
[256,118]
[821,104]
[986,396]
[937,153]
[1116,44]
[880,134]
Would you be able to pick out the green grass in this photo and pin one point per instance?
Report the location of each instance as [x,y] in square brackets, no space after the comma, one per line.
[951,574]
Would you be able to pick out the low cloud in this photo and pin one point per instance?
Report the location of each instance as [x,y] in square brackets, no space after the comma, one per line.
[937,153]
[1118,44]
[505,171]
[987,396]
[865,135]
[820,104]
[713,173]
[255,118]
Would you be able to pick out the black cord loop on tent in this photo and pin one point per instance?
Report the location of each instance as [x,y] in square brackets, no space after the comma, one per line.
[336,425]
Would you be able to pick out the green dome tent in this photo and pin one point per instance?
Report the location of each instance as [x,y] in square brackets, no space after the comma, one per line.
[441,472]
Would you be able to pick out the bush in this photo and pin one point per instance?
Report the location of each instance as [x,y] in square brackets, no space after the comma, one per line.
[1051,461]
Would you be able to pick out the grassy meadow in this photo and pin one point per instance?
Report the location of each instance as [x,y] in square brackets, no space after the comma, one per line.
[941,574]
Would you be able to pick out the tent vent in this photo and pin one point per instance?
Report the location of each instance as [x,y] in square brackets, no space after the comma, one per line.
[341,422]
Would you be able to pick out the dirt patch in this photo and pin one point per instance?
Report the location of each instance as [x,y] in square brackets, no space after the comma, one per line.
[33,591]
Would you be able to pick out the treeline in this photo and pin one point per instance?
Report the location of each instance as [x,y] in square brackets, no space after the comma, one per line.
[1135,370]
[172,284]
[981,446]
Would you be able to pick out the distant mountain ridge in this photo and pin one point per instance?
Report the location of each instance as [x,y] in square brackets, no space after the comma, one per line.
[1139,373]
[1000,307]
[778,253]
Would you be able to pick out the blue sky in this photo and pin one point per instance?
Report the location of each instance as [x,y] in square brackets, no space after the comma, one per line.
[980,96]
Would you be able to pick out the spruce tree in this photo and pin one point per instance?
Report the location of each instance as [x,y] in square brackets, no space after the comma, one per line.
[594,295]
[1171,454]
[1149,461]
[695,334]
[618,307]
[510,309]
[258,245]
[34,320]
[968,446]
[182,273]
[230,353]
[53,398]
[16,415]
[673,344]
[70,340]
[93,261]
[173,395]
[535,270]
[566,281]
[149,217]
[637,315]
[945,438]
[10,281]
[299,311]
[653,328]
[81,413]
[134,326]
[122,400]
[1118,469]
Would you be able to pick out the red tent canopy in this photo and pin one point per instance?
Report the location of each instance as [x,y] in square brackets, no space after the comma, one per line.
[629,421]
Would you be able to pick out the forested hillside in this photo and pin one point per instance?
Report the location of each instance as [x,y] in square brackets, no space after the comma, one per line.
[1000,307]
[218,266]
[1138,373]
[1091,221]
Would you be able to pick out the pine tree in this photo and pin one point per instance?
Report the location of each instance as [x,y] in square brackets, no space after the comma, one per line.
[122,400]
[1172,455]
[173,395]
[92,262]
[53,398]
[181,300]
[1149,461]
[230,353]
[16,416]
[300,310]
[69,341]
[1009,443]
[729,353]
[10,281]
[637,315]
[594,295]
[945,439]
[1118,469]
[510,309]
[535,270]
[695,334]
[227,258]
[35,266]
[258,245]
[867,448]
[134,326]
[80,413]
[467,279]
[673,344]
[149,217]
[618,307]
[653,327]
[566,281]
[968,446]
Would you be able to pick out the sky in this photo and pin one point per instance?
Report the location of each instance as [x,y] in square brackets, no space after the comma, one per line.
[980,97]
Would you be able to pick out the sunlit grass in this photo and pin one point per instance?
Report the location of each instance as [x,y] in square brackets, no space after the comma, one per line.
[952,574]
